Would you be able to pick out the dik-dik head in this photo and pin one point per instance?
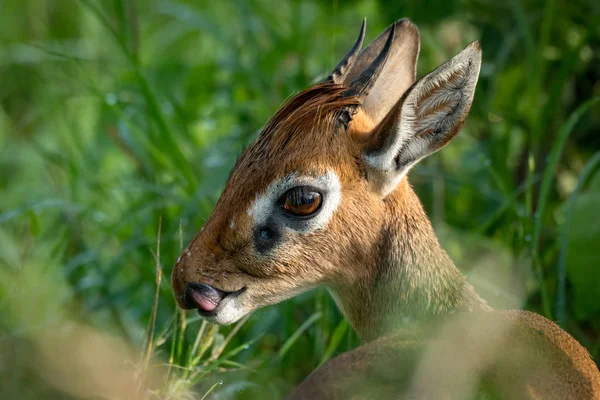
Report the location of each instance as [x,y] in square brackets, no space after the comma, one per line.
[305,203]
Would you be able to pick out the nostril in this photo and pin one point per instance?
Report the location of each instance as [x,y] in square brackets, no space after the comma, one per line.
[202,296]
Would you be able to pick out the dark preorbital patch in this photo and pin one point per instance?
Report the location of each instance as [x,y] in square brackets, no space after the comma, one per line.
[266,237]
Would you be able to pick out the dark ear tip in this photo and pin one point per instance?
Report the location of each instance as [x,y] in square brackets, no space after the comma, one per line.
[475,46]
[406,26]
[473,52]
[404,21]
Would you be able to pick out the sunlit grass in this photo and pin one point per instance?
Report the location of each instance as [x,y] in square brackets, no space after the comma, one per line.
[117,115]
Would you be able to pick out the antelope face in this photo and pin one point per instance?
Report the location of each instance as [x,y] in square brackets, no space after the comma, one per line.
[294,212]
[305,203]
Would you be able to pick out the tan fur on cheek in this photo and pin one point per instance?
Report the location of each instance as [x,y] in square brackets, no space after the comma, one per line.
[328,255]
[303,138]
[355,230]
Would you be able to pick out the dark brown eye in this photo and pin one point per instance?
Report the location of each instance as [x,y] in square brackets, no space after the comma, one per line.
[301,201]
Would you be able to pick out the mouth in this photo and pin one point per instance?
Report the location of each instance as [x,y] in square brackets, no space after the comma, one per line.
[207,299]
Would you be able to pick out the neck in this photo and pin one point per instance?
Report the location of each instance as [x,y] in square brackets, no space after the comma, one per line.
[410,277]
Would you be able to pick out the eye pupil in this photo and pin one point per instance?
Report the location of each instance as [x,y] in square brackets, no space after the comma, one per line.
[301,201]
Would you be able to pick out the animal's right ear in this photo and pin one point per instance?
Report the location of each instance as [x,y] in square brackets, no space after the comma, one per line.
[395,122]
[428,116]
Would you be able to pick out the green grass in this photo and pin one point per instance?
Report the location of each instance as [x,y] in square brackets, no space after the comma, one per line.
[120,121]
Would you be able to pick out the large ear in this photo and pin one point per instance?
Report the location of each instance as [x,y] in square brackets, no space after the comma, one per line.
[397,74]
[427,117]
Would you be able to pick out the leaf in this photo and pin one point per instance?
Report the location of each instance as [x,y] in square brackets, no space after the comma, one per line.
[336,339]
[582,249]
[290,342]
[554,158]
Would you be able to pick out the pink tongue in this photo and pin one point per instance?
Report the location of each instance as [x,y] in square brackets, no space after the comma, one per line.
[203,302]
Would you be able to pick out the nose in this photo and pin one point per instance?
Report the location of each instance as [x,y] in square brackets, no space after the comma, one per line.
[201,296]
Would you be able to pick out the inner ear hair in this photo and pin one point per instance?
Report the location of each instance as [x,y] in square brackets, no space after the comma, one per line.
[426,118]
[436,108]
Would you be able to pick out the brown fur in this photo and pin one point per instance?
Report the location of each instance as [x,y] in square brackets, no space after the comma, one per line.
[361,128]
[302,136]
[499,355]
[385,267]
[381,260]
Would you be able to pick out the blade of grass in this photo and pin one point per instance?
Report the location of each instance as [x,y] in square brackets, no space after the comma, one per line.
[210,366]
[148,145]
[292,339]
[211,389]
[181,338]
[166,136]
[238,366]
[549,175]
[561,286]
[336,339]
[238,349]
[152,324]
[511,201]
[550,171]
[178,315]
[173,345]
[235,330]
[155,305]
[199,337]
[206,342]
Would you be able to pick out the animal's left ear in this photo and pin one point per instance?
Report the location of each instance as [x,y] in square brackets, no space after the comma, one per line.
[428,116]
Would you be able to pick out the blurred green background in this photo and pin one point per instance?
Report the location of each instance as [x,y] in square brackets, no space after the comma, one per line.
[118,115]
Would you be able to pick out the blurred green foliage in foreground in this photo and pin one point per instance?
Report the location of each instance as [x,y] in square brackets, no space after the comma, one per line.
[117,114]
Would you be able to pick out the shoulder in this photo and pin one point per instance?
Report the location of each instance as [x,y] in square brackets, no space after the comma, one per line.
[513,354]
[373,370]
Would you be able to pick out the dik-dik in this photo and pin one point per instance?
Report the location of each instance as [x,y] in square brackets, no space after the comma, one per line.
[321,198]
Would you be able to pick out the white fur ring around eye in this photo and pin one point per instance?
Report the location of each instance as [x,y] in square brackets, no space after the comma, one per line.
[266,207]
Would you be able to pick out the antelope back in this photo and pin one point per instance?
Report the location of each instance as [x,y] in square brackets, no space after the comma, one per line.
[498,355]
[305,203]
